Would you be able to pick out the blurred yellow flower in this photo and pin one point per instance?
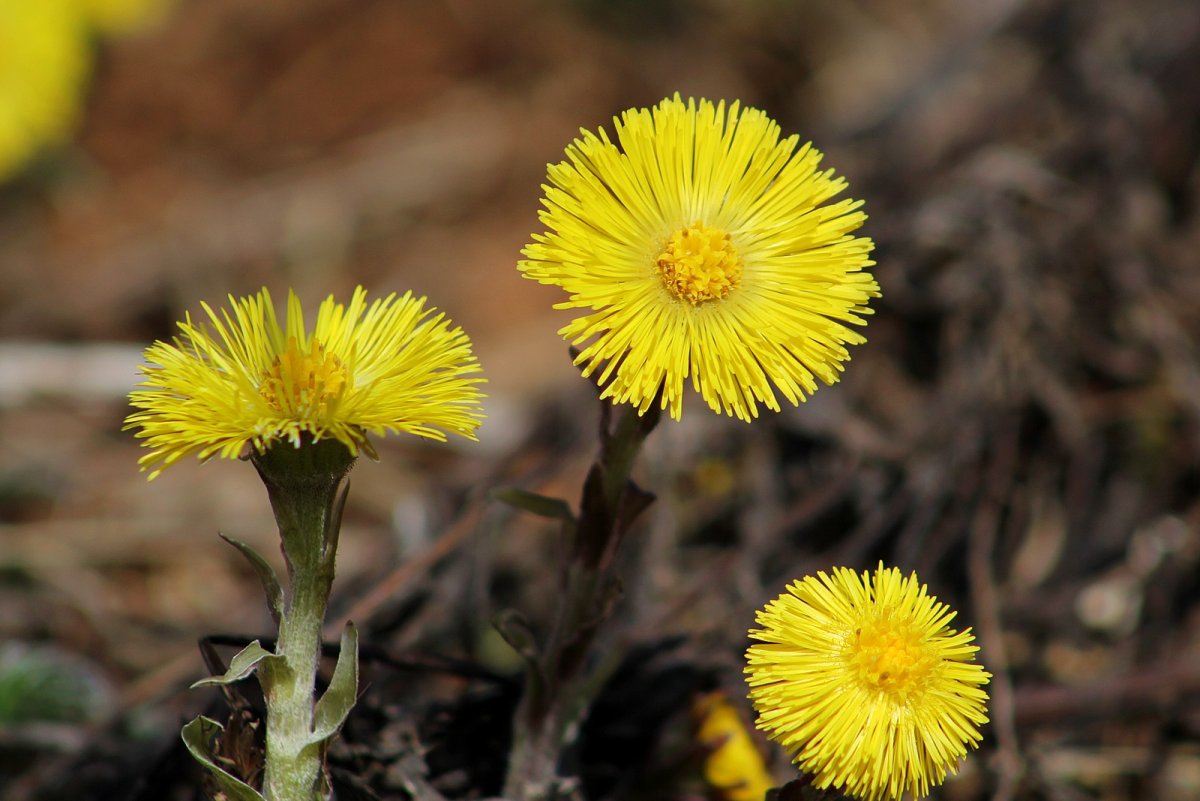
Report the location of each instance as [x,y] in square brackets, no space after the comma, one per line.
[123,16]
[44,62]
[247,381]
[733,766]
[861,678]
[704,247]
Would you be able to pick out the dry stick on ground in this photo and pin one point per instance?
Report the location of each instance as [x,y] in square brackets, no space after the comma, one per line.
[1146,692]
[388,589]
[534,462]
[981,548]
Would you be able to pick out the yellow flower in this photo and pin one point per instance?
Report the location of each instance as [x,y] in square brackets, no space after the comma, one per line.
[44,61]
[392,366]
[703,247]
[862,679]
[733,767]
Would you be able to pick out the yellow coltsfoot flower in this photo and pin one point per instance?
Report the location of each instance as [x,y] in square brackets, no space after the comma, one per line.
[44,61]
[704,247]
[733,767]
[863,681]
[241,380]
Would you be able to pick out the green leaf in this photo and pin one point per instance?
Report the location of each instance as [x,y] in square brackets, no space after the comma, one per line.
[198,736]
[240,666]
[541,505]
[516,631]
[266,575]
[339,697]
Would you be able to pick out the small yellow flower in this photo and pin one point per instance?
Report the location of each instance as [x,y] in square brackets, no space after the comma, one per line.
[392,366]
[703,246]
[44,60]
[733,766]
[861,678]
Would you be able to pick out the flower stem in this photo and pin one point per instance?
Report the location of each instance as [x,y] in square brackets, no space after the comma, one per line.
[564,682]
[619,452]
[307,487]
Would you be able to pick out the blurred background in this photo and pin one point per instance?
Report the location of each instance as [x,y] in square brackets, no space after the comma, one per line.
[1022,428]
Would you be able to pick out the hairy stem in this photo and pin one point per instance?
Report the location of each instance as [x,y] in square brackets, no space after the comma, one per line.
[307,488]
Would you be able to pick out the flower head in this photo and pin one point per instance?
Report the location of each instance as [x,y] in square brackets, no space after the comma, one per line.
[241,379]
[44,60]
[703,246]
[861,678]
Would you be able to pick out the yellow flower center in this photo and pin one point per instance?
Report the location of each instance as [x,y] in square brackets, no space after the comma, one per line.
[300,383]
[700,264]
[892,657]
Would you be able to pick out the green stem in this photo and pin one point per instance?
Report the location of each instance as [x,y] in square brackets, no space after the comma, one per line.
[293,762]
[306,486]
